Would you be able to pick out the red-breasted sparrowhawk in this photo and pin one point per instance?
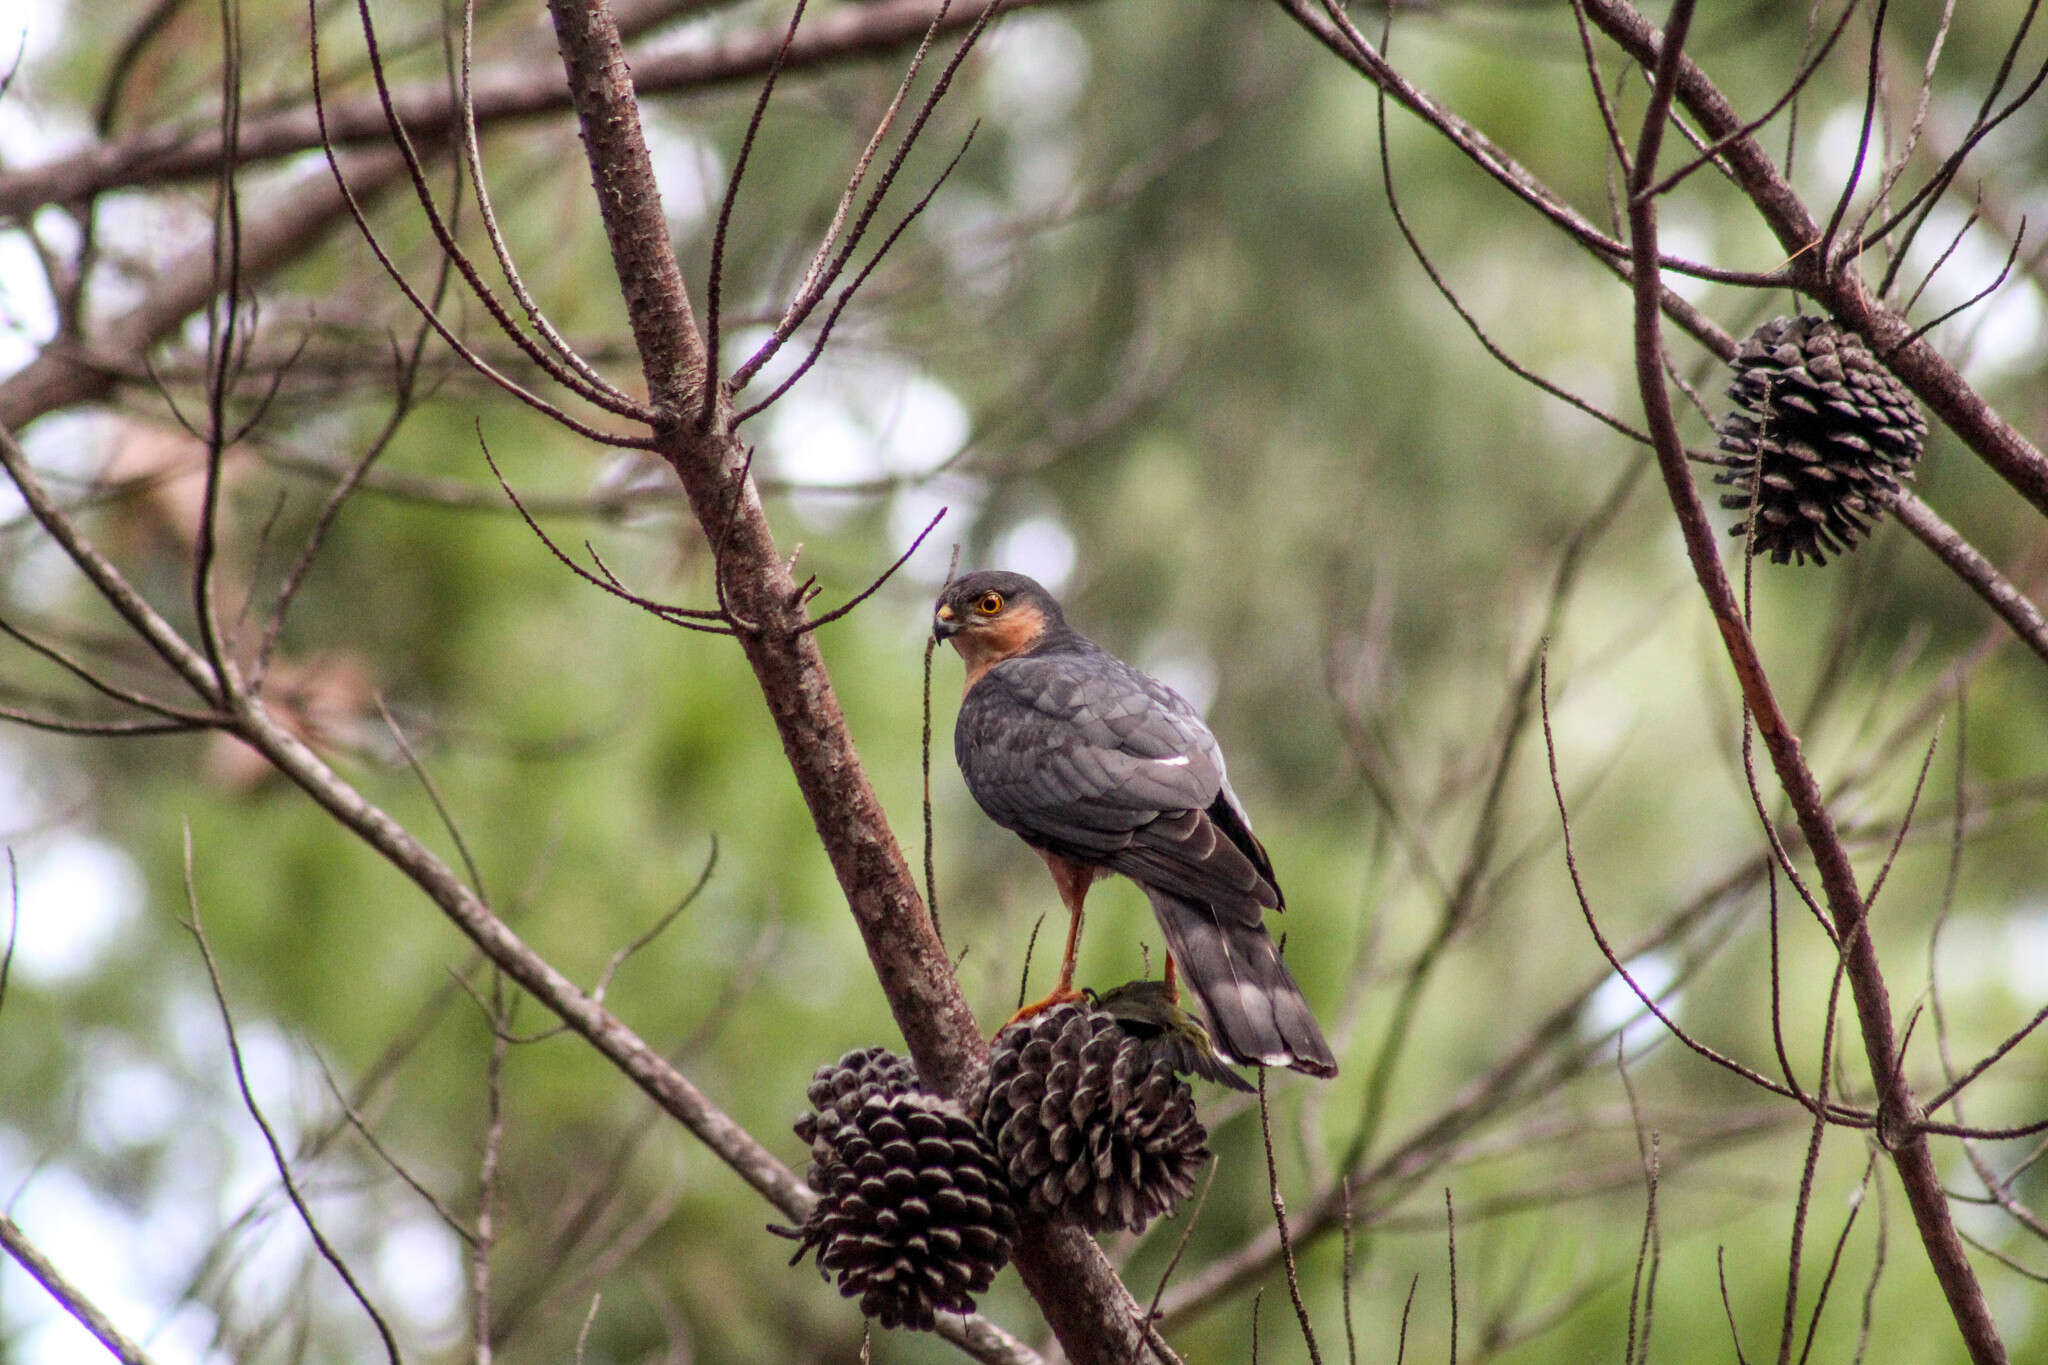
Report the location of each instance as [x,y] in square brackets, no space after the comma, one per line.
[1102,769]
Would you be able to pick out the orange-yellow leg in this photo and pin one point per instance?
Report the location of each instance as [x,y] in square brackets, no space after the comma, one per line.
[1073,880]
[1172,979]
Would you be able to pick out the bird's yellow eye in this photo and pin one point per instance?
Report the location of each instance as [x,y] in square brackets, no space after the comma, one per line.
[989,604]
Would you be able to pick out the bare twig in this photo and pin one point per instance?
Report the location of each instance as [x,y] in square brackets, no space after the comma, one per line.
[654,930]
[68,1296]
[714,287]
[846,607]
[327,1251]
[1308,1331]
[1727,1307]
[689,618]
[1820,1298]
[485,1237]
[1451,1254]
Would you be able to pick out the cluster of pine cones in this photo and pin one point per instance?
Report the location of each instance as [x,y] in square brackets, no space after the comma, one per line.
[1082,1118]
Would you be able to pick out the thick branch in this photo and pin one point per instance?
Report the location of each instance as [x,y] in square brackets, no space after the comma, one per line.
[1092,1314]
[504,92]
[63,374]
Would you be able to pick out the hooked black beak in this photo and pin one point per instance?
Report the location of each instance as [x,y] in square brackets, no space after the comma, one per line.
[945,625]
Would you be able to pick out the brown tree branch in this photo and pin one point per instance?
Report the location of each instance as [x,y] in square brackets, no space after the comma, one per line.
[501,93]
[1999,592]
[1092,1314]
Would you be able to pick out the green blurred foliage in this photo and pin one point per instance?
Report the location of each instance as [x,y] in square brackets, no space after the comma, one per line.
[1299,483]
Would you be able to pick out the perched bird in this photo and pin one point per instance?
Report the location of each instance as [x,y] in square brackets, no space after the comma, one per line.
[1150,1012]
[1102,769]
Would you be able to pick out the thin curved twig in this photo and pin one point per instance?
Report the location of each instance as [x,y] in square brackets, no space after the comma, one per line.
[871,589]
[1976,212]
[1986,292]
[105,686]
[817,284]
[441,328]
[277,1154]
[472,152]
[690,618]
[1825,247]
[769,347]
[601,394]
[655,930]
[714,288]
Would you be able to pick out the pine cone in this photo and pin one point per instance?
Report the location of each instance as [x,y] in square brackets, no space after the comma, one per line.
[912,1213]
[837,1091]
[1090,1124]
[1819,439]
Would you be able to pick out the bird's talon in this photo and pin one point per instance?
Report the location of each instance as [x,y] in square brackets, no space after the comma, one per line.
[1066,996]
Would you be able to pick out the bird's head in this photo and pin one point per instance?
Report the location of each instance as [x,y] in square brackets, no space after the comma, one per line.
[992,615]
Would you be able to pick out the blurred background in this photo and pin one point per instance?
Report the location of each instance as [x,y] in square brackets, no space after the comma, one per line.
[1158,342]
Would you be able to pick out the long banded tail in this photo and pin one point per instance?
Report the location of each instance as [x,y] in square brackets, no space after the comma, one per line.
[1256,1012]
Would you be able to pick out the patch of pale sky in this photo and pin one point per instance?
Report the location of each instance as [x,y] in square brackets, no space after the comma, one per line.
[28,317]
[860,417]
[420,1269]
[2010,324]
[1035,70]
[1039,546]
[689,170]
[970,229]
[1615,1005]
[77,894]
[912,509]
[127,1100]
[1591,713]
[2025,950]
[1041,174]
[1677,238]
[1578,437]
